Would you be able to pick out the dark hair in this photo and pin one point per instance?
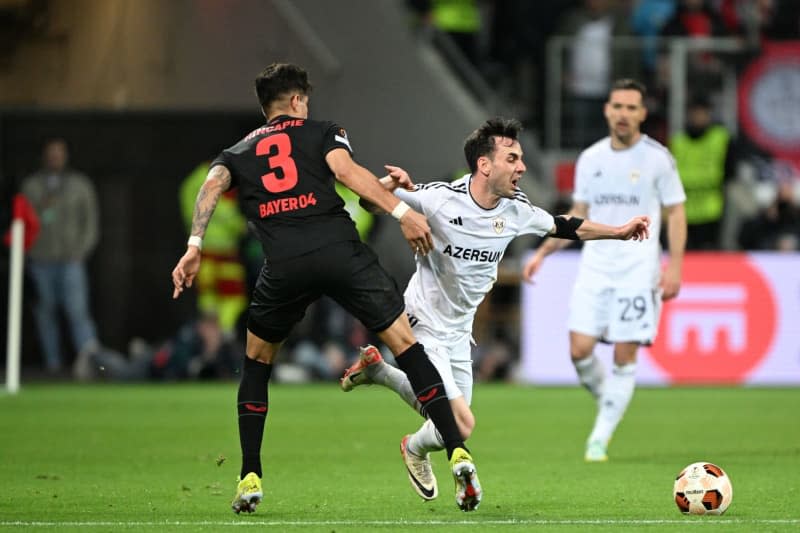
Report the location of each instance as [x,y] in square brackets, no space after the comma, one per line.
[481,142]
[277,80]
[700,100]
[623,84]
[55,139]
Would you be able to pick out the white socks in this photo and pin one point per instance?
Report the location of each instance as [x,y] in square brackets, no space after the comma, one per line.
[591,374]
[616,396]
[395,379]
[426,439]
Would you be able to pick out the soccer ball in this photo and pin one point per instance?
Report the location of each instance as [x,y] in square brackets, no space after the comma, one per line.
[702,488]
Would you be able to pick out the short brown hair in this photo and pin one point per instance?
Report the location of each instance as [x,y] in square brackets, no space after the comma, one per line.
[279,79]
[629,84]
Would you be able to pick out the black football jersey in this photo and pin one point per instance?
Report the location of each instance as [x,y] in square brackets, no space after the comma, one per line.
[286,189]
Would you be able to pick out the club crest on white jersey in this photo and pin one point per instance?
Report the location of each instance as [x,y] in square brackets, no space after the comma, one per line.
[499,224]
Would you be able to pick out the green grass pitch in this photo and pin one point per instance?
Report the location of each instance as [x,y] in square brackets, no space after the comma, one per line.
[145,458]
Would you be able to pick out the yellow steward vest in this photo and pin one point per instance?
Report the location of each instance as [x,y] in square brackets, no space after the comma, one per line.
[701,164]
[456,16]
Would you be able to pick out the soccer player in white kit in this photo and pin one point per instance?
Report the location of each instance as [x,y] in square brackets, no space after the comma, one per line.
[618,291]
[472,220]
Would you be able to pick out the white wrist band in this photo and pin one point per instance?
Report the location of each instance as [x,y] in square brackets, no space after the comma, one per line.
[400,210]
[194,240]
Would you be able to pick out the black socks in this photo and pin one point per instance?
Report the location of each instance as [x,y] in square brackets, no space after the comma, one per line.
[427,385]
[253,404]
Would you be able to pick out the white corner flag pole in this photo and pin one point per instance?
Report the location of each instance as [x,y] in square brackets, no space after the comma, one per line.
[14,336]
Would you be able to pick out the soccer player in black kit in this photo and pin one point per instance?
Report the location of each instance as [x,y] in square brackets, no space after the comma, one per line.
[285,173]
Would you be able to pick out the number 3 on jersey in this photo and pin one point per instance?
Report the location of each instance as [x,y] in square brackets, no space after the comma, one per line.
[278,150]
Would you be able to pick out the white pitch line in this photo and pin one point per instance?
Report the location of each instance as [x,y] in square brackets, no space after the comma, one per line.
[247,522]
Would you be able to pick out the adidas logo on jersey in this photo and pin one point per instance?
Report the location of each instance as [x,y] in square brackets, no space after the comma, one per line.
[457,221]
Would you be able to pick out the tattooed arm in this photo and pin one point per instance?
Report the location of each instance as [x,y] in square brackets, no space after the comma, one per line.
[217,182]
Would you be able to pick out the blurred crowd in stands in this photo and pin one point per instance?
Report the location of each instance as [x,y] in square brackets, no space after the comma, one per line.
[506,40]
[739,195]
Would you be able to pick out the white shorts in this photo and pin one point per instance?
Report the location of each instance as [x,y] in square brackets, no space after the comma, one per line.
[452,360]
[615,314]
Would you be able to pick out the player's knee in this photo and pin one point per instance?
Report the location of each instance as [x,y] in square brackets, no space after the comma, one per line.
[581,346]
[580,350]
[624,359]
[398,337]
[578,354]
[399,346]
[261,350]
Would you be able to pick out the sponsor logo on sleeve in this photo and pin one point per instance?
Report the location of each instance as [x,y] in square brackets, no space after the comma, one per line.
[342,138]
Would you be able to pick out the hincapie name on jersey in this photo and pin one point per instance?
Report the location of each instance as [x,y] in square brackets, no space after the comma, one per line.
[472,254]
[281,205]
[280,126]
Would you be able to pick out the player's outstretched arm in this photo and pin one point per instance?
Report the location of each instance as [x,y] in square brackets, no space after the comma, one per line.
[575,228]
[217,182]
[365,184]
[551,244]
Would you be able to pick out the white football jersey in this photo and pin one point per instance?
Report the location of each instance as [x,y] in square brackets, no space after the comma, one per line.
[468,243]
[618,185]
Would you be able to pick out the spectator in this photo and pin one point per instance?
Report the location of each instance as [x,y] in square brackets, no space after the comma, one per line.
[761,20]
[517,53]
[704,157]
[200,350]
[648,19]
[222,278]
[777,227]
[66,203]
[695,19]
[591,66]
[778,20]
[460,19]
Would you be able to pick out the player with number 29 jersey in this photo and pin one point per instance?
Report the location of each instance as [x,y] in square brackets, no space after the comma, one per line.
[616,185]
[293,207]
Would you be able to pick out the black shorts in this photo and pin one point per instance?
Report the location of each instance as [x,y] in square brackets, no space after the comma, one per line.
[348,272]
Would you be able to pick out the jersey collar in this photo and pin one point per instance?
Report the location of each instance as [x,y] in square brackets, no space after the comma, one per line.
[479,206]
[279,118]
